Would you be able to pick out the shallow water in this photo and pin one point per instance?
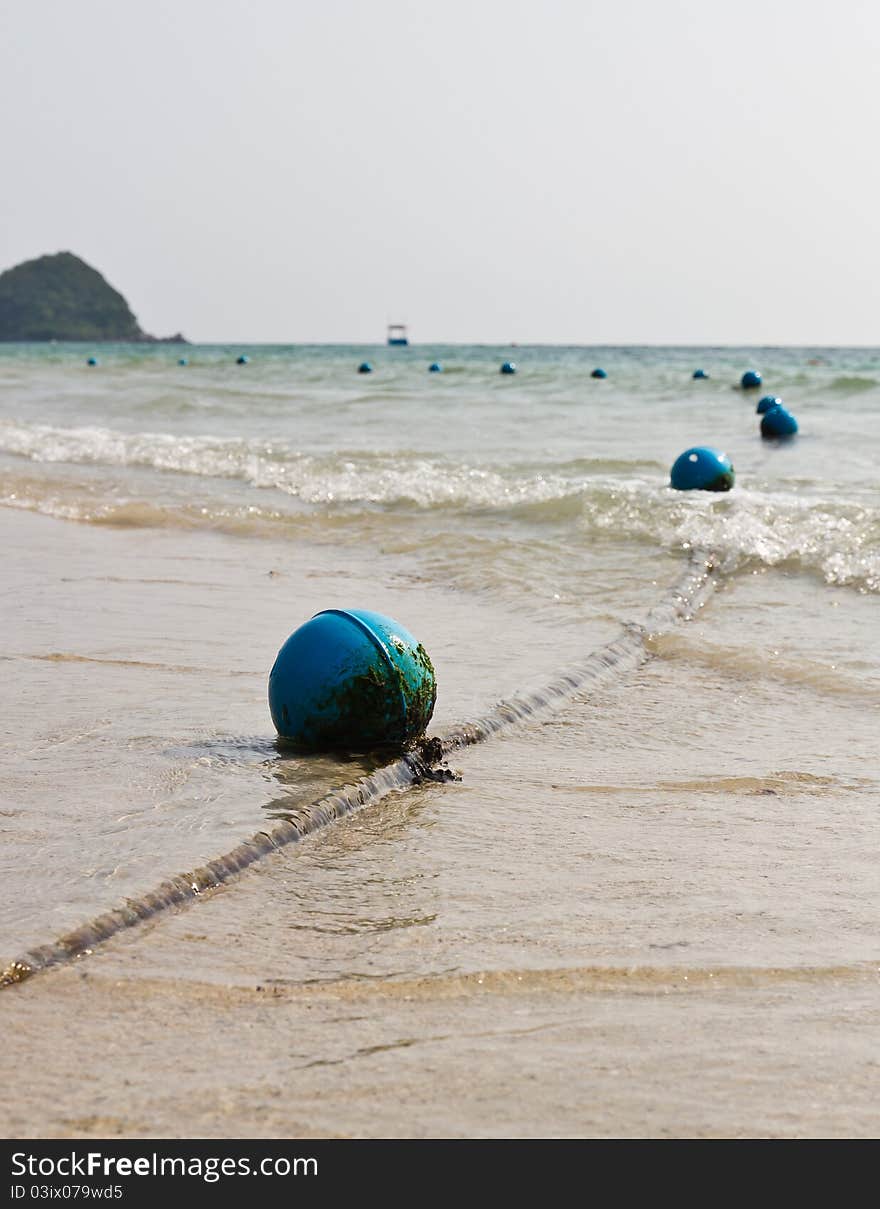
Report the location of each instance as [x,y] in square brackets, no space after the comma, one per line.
[709,814]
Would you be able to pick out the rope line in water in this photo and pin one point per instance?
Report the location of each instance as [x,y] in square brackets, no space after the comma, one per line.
[623,654]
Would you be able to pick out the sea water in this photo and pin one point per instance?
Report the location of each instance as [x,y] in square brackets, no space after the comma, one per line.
[708,815]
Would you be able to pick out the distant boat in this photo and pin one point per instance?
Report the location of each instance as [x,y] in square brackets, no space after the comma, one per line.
[397,333]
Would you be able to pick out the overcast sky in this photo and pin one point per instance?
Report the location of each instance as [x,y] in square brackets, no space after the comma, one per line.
[621,171]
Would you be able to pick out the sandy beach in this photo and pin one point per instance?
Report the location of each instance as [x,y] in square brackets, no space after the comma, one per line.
[586,936]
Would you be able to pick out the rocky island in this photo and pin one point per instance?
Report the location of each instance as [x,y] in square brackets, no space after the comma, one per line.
[60,297]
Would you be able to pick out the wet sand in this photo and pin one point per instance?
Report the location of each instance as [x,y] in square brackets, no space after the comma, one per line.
[651,913]
[574,1053]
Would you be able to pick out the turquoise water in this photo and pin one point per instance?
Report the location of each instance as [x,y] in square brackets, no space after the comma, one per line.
[507,477]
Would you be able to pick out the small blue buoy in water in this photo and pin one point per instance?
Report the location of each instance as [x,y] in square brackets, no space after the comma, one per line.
[777,422]
[92,361]
[699,373]
[702,469]
[435,368]
[765,403]
[365,368]
[598,372]
[750,379]
[183,361]
[242,360]
[352,679]
[508,367]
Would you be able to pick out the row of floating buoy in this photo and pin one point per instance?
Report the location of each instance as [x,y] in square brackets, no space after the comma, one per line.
[750,379]
[704,469]
[358,679]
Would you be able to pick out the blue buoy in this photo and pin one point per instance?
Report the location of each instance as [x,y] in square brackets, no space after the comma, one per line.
[183,361]
[777,422]
[750,379]
[767,402]
[598,372]
[242,360]
[508,367]
[702,469]
[351,679]
[365,368]
[435,368]
[699,373]
[92,361]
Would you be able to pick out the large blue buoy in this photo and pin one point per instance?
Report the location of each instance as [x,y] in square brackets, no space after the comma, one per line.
[699,373]
[598,372]
[777,422]
[242,360]
[435,368]
[92,361]
[508,367]
[365,368]
[750,379]
[766,402]
[351,679]
[702,469]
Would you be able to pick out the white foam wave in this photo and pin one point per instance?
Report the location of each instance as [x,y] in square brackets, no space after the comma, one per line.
[358,478]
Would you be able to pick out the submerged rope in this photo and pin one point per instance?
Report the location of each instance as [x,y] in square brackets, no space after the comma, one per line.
[626,652]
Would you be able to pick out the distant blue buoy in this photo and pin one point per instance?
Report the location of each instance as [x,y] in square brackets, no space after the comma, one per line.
[699,373]
[435,368]
[92,361]
[766,403]
[183,361]
[508,367]
[777,422]
[351,679]
[598,372]
[750,379]
[365,368]
[242,360]
[702,469]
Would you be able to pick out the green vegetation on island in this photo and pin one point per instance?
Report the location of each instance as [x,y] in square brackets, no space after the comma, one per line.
[60,297]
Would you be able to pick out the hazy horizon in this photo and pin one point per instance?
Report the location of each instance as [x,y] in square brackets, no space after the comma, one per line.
[607,174]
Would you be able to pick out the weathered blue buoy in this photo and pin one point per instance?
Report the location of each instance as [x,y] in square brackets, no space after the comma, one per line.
[352,679]
[750,379]
[699,373]
[183,361]
[435,368]
[365,368]
[92,361]
[242,360]
[702,469]
[765,403]
[598,372]
[777,422]
[508,367]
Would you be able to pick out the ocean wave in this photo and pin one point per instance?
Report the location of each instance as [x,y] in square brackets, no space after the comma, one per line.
[851,383]
[369,478]
[837,536]
[838,539]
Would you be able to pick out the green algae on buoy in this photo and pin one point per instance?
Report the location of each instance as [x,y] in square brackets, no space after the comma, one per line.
[702,469]
[351,679]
